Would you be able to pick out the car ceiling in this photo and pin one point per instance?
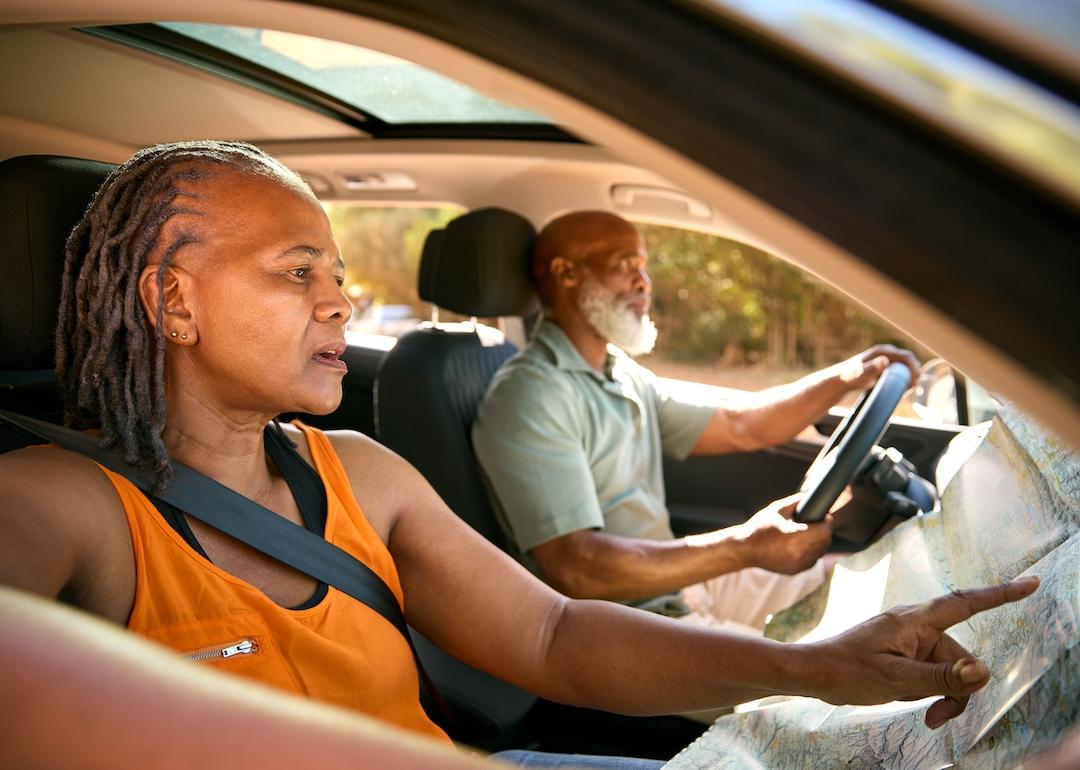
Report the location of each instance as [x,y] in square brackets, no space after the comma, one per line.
[78,83]
[106,91]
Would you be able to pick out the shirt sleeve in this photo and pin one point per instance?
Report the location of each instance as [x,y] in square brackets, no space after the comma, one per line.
[682,417]
[528,439]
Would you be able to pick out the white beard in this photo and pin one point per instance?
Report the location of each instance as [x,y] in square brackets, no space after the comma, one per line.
[615,321]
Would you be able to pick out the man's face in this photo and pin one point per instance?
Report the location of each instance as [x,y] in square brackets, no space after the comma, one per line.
[615,292]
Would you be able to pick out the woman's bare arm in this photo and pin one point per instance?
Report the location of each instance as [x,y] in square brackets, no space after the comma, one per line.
[89,695]
[478,604]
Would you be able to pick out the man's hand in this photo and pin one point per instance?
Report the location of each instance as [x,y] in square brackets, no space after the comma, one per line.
[775,542]
[905,654]
[862,371]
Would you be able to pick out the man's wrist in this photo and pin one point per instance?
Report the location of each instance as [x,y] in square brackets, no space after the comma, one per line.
[744,548]
[838,381]
[730,545]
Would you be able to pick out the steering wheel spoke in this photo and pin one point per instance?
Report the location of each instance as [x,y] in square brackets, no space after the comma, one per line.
[846,450]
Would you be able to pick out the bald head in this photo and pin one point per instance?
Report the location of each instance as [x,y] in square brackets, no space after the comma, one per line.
[576,237]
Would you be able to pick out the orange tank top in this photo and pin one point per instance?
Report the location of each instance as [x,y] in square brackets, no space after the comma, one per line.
[338,651]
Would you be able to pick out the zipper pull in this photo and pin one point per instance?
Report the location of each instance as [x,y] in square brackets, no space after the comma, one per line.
[245,647]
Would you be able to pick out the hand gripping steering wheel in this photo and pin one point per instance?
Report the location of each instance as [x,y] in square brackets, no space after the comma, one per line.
[839,460]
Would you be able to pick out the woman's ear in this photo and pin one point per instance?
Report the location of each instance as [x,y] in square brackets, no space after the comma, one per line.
[177,316]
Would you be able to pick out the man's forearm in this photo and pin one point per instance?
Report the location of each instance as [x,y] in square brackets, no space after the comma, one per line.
[780,413]
[598,565]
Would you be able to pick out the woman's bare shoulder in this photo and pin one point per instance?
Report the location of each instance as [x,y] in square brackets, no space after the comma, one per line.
[352,446]
[381,480]
[49,472]
[355,450]
[60,526]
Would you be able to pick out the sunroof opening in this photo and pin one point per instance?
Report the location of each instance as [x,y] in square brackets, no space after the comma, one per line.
[386,87]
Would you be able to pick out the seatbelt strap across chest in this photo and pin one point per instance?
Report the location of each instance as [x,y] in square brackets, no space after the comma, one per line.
[203,498]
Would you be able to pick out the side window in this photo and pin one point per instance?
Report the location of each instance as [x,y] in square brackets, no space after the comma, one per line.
[381,246]
[734,316]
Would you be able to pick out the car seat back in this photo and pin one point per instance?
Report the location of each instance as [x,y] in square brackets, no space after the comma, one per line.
[427,390]
[429,385]
[42,197]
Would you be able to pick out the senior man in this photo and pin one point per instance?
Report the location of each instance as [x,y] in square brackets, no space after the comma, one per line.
[572,431]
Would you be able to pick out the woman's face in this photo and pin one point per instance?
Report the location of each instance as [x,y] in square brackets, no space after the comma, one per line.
[261,289]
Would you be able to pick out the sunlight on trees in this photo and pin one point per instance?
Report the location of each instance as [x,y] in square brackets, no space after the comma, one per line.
[727,313]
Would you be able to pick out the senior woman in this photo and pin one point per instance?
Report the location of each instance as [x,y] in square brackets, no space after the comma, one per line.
[202,298]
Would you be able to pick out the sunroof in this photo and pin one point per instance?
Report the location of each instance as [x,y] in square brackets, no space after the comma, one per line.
[388,88]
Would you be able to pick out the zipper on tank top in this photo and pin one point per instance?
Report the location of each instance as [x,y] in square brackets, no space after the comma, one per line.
[241,647]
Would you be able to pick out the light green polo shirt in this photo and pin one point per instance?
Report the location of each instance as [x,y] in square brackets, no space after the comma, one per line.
[566,448]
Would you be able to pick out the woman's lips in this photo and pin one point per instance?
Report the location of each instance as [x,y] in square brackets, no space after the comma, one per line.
[331,361]
[330,355]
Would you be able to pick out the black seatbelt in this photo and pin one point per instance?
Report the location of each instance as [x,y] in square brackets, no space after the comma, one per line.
[212,503]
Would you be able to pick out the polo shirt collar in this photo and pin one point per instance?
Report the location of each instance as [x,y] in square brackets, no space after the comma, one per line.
[565,353]
[566,357]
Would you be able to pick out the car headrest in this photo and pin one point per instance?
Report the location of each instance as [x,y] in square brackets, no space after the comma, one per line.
[478,265]
[42,197]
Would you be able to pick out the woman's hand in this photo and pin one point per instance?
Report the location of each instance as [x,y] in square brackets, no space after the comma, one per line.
[905,654]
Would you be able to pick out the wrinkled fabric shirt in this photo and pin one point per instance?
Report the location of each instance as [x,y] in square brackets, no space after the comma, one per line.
[565,448]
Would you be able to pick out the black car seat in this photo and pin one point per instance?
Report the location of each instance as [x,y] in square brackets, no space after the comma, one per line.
[431,382]
[427,390]
[41,199]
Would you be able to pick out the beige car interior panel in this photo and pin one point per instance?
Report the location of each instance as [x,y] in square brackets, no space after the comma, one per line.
[540,180]
[744,217]
[160,101]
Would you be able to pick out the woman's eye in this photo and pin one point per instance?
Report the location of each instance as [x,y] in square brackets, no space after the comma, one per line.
[340,280]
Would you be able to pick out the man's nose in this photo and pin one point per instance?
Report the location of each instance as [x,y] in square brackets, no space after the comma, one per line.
[642,281]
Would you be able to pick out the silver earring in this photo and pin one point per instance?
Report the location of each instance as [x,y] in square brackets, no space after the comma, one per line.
[173,334]
[183,336]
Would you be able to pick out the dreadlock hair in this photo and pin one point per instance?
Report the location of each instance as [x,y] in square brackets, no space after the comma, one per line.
[110,360]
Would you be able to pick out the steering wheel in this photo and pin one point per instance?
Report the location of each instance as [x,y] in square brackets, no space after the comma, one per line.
[839,460]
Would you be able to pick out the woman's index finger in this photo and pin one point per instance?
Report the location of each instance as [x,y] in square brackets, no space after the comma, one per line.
[946,611]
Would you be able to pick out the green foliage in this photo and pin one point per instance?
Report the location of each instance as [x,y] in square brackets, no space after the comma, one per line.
[715,301]
[381,248]
[718,301]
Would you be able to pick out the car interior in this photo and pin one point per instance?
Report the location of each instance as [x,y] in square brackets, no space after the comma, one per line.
[97,89]
[420,399]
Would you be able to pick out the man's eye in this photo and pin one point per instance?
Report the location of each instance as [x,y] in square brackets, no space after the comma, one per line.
[300,272]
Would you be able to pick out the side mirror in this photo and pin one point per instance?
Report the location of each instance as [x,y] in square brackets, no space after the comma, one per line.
[935,396]
[943,395]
